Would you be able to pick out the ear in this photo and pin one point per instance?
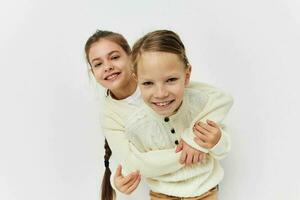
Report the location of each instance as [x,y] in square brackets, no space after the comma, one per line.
[188,75]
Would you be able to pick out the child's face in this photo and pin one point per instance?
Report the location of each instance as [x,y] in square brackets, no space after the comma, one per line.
[162,78]
[110,64]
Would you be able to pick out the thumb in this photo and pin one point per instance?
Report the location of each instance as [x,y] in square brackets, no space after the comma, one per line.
[118,171]
[179,147]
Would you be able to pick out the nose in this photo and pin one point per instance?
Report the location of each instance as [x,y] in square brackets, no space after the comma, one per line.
[160,92]
[108,67]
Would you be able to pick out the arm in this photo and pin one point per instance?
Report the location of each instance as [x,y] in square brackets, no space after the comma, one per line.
[212,137]
[150,164]
[220,150]
[215,109]
[189,155]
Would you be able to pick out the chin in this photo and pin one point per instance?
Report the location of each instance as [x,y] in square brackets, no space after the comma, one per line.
[163,113]
[116,84]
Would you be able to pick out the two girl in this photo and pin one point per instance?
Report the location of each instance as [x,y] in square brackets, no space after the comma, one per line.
[145,134]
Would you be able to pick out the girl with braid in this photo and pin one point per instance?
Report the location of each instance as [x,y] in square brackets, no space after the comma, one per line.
[110,49]
[145,138]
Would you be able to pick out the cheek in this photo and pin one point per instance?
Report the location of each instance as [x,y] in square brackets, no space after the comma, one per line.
[126,71]
[125,65]
[98,75]
[145,94]
[178,91]
[178,88]
[145,98]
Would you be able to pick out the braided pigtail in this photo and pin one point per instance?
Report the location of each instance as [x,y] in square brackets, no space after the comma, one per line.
[108,192]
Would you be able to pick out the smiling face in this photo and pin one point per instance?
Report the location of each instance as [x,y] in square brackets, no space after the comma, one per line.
[110,65]
[162,78]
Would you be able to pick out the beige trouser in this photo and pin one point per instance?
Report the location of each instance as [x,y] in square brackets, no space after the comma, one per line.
[210,195]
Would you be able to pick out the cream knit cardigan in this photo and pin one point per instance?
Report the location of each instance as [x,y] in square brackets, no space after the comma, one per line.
[142,140]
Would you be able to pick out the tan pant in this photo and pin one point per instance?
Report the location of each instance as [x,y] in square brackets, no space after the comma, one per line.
[210,195]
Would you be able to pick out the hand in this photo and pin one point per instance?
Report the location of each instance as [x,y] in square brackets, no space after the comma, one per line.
[128,183]
[208,135]
[189,155]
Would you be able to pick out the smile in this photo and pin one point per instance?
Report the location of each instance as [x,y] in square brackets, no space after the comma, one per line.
[163,104]
[112,76]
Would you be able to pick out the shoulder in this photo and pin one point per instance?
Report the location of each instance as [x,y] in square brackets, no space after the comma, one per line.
[195,98]
[116,110]
[208,92]
[139,119]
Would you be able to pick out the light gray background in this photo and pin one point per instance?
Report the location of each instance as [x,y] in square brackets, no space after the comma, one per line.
[51,146]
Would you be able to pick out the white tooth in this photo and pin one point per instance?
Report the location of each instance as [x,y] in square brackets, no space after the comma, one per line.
[111,76]
[163,103]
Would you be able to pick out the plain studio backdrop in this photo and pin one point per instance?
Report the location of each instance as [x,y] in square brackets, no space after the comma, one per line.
[51,144]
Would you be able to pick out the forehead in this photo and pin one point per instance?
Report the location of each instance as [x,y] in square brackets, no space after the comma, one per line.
[159,63]
[102,48]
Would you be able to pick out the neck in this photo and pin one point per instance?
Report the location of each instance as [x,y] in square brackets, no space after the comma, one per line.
[126,90]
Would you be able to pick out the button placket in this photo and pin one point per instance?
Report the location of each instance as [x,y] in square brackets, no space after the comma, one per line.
[172,130]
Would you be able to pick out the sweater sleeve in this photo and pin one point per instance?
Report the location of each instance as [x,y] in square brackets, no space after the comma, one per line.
[150,164]
[220,150]
[216,108]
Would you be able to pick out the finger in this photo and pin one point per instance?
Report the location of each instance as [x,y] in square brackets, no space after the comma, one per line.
[127,185]
[201,136]
[199,158]
[202,130]
[179,147]
[134,185]
[189,159]
[182,157]
[118,171]
[212,123]
[207,127]
[128,178]
[200,142]
[196,159]
[204,156]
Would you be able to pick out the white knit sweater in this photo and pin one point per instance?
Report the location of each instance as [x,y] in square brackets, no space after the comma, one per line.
[142,139]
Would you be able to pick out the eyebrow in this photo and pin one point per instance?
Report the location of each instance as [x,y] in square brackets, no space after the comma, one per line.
[95,59]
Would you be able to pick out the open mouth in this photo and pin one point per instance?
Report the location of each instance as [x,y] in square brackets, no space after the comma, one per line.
[112,76]
[163,104]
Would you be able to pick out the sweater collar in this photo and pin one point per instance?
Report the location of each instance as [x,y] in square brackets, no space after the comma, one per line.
[135,98]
